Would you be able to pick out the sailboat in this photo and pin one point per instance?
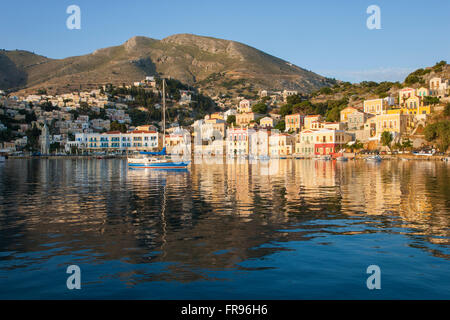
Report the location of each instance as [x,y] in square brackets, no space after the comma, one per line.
[157,160]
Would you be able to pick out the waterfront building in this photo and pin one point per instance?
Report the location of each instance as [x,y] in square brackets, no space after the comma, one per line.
[259,143]
[178,142]
[294,122]
[209,137]
[138,140]
[237,141]
[281,144]
[304,145]
[325,141]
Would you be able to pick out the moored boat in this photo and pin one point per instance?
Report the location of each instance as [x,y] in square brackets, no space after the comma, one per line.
[157,160]
[425,153]
[375,158]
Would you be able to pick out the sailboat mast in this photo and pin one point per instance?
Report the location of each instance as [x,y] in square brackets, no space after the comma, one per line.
[164,113]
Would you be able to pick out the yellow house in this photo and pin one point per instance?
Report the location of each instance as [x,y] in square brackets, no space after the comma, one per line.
[375,106]
[346,112]
[413,105]
[394,123]
[294,122]
[267,122]
[216,115]
[243,119]
[310,119]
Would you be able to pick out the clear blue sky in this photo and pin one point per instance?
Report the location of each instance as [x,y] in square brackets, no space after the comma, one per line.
[329,37]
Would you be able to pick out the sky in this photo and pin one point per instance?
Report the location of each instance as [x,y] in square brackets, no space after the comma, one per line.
[329,37]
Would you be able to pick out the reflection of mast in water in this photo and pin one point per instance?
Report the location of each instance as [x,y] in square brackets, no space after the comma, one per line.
[163,219]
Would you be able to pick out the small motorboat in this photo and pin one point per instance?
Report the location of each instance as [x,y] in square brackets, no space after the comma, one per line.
[342,158]
[375,158]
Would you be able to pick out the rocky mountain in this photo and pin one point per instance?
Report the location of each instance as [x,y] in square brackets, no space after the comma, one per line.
[213,65]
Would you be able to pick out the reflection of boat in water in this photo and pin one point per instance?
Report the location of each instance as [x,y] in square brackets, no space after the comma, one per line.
[157,160]
[375,158]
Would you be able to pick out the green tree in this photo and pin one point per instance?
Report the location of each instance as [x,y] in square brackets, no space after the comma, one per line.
[265,99]
[358,145]
[326,90]
[386,139]
[116,126]
[333,114]
[280,126]
[406,144]
[294,99]
[428,100]
[231,119]
[439,133]
[260,108]
[84,108]
[411,79]
[55,146]
[304,107]
[285,110]
[447,110]
[33,138]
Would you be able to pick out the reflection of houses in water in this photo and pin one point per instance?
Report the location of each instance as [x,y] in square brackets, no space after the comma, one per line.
[316,173]
[371,188]
[397,188]
[238,182]
[184,219]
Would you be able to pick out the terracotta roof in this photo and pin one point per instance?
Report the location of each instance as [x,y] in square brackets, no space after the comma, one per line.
[141,131]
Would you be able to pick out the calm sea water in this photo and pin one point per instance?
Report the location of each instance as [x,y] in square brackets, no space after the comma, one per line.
[300,229]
